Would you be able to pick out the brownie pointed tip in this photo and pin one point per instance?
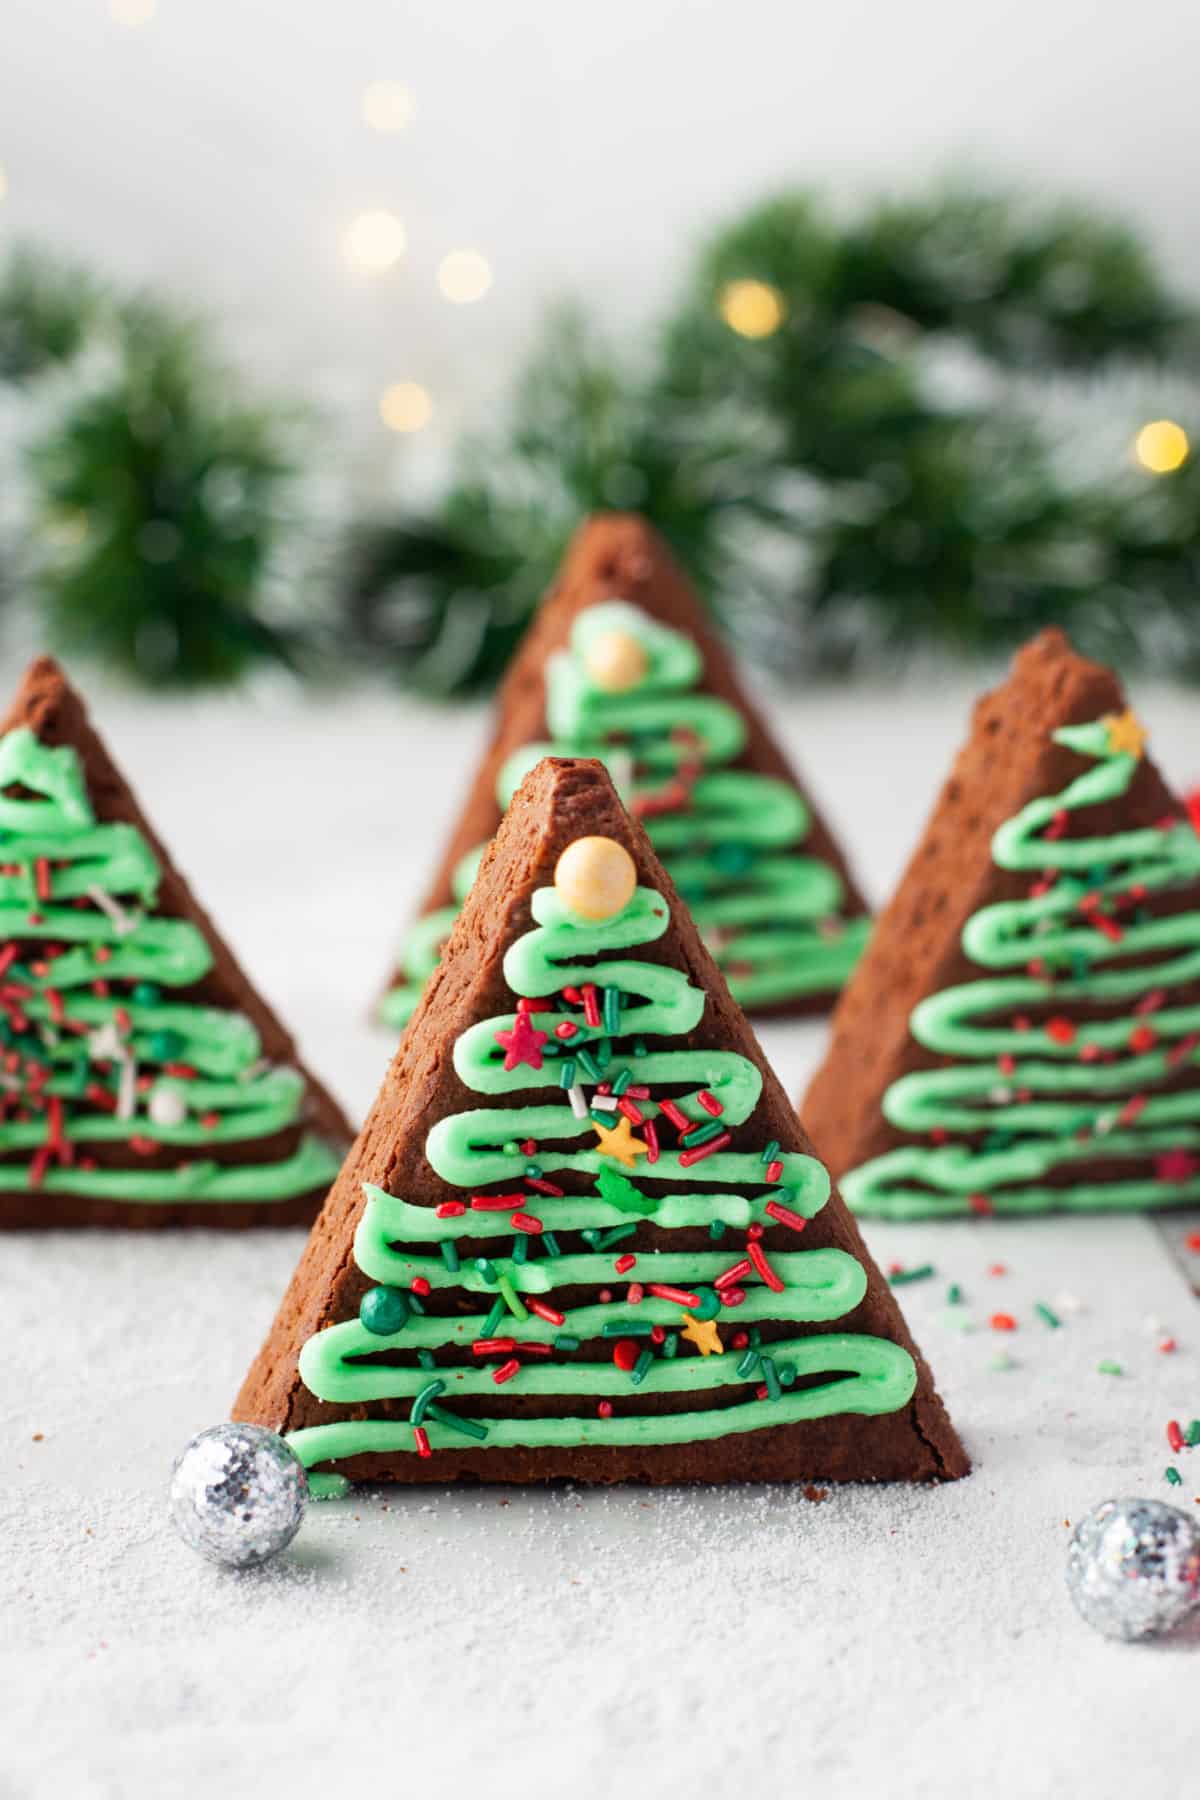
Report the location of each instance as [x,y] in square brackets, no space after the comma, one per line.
[44,697]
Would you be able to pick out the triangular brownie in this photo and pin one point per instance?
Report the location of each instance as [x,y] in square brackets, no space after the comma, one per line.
[582,1234]
[621,662]
[143,1080]
[1023,1034]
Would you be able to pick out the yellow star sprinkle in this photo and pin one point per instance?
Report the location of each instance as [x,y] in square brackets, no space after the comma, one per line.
[619,1142]
[703,1333]
[1126,733]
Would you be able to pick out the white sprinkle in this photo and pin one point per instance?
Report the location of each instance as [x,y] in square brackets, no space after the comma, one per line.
[122,922]
[605,1102]
[167,1104]
[127,1088]
[106,1044]
[1068,1303]
[579,1105]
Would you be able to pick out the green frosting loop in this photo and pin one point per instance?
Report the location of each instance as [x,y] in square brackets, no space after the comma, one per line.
[1065,1092]
[566,1263]
[92,1051]
[731,838]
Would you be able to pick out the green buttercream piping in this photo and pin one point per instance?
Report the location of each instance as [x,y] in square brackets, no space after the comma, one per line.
[92,922]
[769,913]
[398,1243]
[1052,1108]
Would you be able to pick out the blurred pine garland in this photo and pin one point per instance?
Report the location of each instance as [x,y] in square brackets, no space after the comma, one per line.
[835,426]
[816,480]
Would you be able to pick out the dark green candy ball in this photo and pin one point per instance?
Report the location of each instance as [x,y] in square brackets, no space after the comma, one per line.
[383,1310]
[166,1046]
[146,993]
[710,1303]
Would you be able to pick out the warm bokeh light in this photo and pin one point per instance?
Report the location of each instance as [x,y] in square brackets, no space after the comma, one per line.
[464,276]
[374,242]
[754,309]
[1161,446]
[387,106]
[405,406]
[132,12]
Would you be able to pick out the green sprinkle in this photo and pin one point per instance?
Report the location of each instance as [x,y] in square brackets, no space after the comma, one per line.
[641,1368]
[716,1230]
[954,1294]
[615,1235]
[534,1172]
[771,1152]
[639,1047]
[671,1344]
[511,1147]
[786,1373]
[384,1310]
[612,1009]
[1192,1434]
[417,1304]
[469,1427]
[425,1358]
[710,1303]
[566,1340]
[520,1248]
[550,1243]
[903,1276]
[702,1134]
[755,1336]
[146,993]
[508,1294]
[494,1320]
[487,1270]
[587,1062]
[450,1256]
[620,1192]
[598,1116]
[617,1328]
[590,1236]
[603,1054]
[748,1362]
[1109,1367]
[622,1081]
[1047,1314]
[425,1399]
[1173,1476]
[771,1377]
[566,1073]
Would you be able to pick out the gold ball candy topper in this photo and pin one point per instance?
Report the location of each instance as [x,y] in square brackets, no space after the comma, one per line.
[616,661]
[595,877]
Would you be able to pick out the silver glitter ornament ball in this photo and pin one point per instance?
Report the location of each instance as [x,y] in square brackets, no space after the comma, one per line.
[238,1495]
[1133,1567]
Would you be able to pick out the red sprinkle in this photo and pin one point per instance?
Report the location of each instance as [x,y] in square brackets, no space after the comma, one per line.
[605,1409]
[543,1187]
[650,1133]
[566,1030]
[1174,1434]
[710,1103]
[676,1295]
[591,1004]
[496,1202]
[1003,1322]
[688,1157]
[1061,1031]
[1142,1038]
[793,1220]
[631,1110]
[635,1293]
[419,1285]
[535,1349]
[658,1334]
[979,1203]
[763,1267]
[1192,1240]
[493,1346]
[623,1264]
[774,1171]
[523,1221]
[998,1269]
[506,1371]
[540,1310]
[421,1440]
[625,1354]
[572,995]
[730,1275]
[679,1120]
[527,1006]
[732,1296]
[1168,1344]
[450,1209]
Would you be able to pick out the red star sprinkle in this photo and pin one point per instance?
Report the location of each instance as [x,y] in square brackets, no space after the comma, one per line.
[1175,1165]
[523,1044]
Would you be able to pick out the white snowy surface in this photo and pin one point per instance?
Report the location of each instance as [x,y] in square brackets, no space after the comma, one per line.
[735,1642]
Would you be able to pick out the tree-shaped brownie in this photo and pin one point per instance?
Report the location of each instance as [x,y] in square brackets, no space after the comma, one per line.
[582,1233]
